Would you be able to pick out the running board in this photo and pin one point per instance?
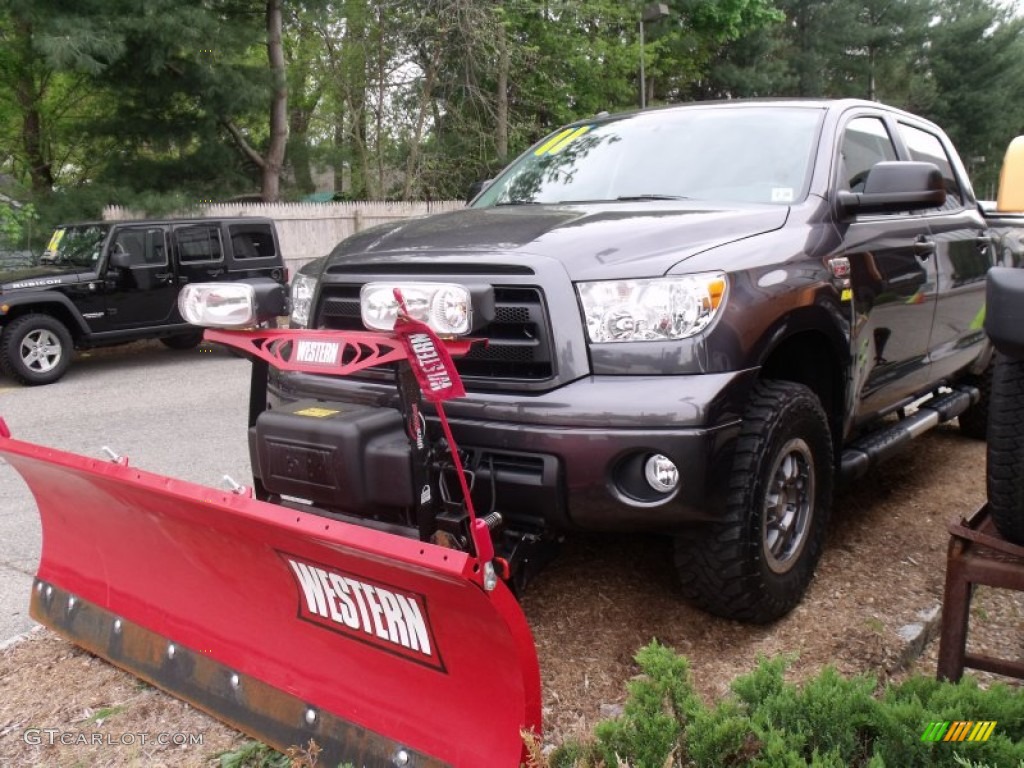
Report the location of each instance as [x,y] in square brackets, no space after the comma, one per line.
[876,447]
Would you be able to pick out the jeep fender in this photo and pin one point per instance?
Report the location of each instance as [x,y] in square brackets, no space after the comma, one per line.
[45,301]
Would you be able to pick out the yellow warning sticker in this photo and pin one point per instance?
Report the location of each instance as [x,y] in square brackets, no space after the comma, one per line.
[543,148]
[560,141]
[316,413]
[58,235]
[847,294]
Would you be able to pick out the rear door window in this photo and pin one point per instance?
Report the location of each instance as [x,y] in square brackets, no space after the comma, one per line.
[198,244]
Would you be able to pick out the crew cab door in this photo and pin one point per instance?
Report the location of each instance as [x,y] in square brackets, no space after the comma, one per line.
[892,275]
[963,255]
[144,292]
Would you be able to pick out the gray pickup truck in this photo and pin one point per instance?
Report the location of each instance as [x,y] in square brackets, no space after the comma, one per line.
[700,319]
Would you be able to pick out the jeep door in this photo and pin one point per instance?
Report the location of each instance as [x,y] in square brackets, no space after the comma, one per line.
[963,255]
[146,292]
[893,279]
[199,251]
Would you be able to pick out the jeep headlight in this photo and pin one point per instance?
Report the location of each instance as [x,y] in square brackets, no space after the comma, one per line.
[446,307]
[659,309]
[303,288]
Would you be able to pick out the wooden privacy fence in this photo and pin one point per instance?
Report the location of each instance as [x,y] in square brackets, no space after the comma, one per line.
[309,230]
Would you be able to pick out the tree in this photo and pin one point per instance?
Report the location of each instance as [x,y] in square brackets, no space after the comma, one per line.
[974,54]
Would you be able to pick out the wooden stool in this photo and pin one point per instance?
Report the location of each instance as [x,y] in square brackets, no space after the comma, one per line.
[978,554]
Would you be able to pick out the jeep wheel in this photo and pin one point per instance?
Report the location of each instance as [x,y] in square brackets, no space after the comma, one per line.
[1005,474]
[756,565]
[184,340]
[974,421]
[35,349]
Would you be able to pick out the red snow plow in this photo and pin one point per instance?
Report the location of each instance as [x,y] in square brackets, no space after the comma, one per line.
[389,643]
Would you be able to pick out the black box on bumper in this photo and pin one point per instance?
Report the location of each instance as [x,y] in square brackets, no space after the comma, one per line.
[336,455]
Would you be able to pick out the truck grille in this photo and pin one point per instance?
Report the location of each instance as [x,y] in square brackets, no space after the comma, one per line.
[518,340]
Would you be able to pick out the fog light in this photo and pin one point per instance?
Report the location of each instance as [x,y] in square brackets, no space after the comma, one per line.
[661,473]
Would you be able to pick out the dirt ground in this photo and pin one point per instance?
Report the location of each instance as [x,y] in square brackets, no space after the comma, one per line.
[590,612]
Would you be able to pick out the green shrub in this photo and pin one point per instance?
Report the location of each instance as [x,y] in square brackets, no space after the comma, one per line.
[828,722]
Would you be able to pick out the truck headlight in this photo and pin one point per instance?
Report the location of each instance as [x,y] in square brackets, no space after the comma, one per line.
[303,288]
[658,309]
[446,307]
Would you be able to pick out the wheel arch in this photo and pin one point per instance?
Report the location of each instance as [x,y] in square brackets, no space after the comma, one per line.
[54,304]
[817,356]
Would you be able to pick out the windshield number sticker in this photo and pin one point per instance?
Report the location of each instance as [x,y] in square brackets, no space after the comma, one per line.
[560,141]
[58,235]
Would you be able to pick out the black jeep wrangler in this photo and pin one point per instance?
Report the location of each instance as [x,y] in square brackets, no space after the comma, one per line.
[105,283]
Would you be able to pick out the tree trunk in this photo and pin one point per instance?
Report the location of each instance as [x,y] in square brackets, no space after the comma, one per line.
[30,97]
[501,118]
[426,96]
[354,55]
[274,160]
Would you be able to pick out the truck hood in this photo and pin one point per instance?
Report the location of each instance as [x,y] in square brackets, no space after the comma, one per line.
[41,276]
[592,241]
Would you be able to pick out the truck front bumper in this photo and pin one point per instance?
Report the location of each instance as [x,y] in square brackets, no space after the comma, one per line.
[573,458]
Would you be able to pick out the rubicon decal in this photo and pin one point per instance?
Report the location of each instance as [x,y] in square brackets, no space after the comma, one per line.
[317,352]
[383,616]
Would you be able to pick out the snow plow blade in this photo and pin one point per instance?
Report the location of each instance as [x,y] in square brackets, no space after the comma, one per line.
[383,650]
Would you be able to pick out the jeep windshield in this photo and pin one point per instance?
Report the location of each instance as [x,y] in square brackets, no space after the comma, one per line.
[715,153]
[77,245]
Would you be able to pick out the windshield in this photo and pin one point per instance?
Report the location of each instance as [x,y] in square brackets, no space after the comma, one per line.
[748,154]
[78,245]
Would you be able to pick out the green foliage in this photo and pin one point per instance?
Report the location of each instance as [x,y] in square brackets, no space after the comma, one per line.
[253,754]
[137,97]
[660,703]
[17,225]
[829,722]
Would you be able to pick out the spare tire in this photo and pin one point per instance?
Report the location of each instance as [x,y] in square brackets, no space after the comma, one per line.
[1005,474]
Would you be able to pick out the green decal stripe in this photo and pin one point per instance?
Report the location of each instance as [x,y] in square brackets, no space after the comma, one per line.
[935,731]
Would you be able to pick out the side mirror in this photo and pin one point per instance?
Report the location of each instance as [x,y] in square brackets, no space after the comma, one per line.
[476,188]
[120,260]
[893,186]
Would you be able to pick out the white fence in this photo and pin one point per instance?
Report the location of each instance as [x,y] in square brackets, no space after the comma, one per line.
[309,230]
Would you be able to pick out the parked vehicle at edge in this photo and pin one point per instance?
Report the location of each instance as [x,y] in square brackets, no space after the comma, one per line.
[699,318]
[104,283]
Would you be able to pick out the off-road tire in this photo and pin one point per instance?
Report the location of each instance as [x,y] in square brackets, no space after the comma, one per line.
[744,568]
[1005,474]
[35,349]
[183,340]
[974,421]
